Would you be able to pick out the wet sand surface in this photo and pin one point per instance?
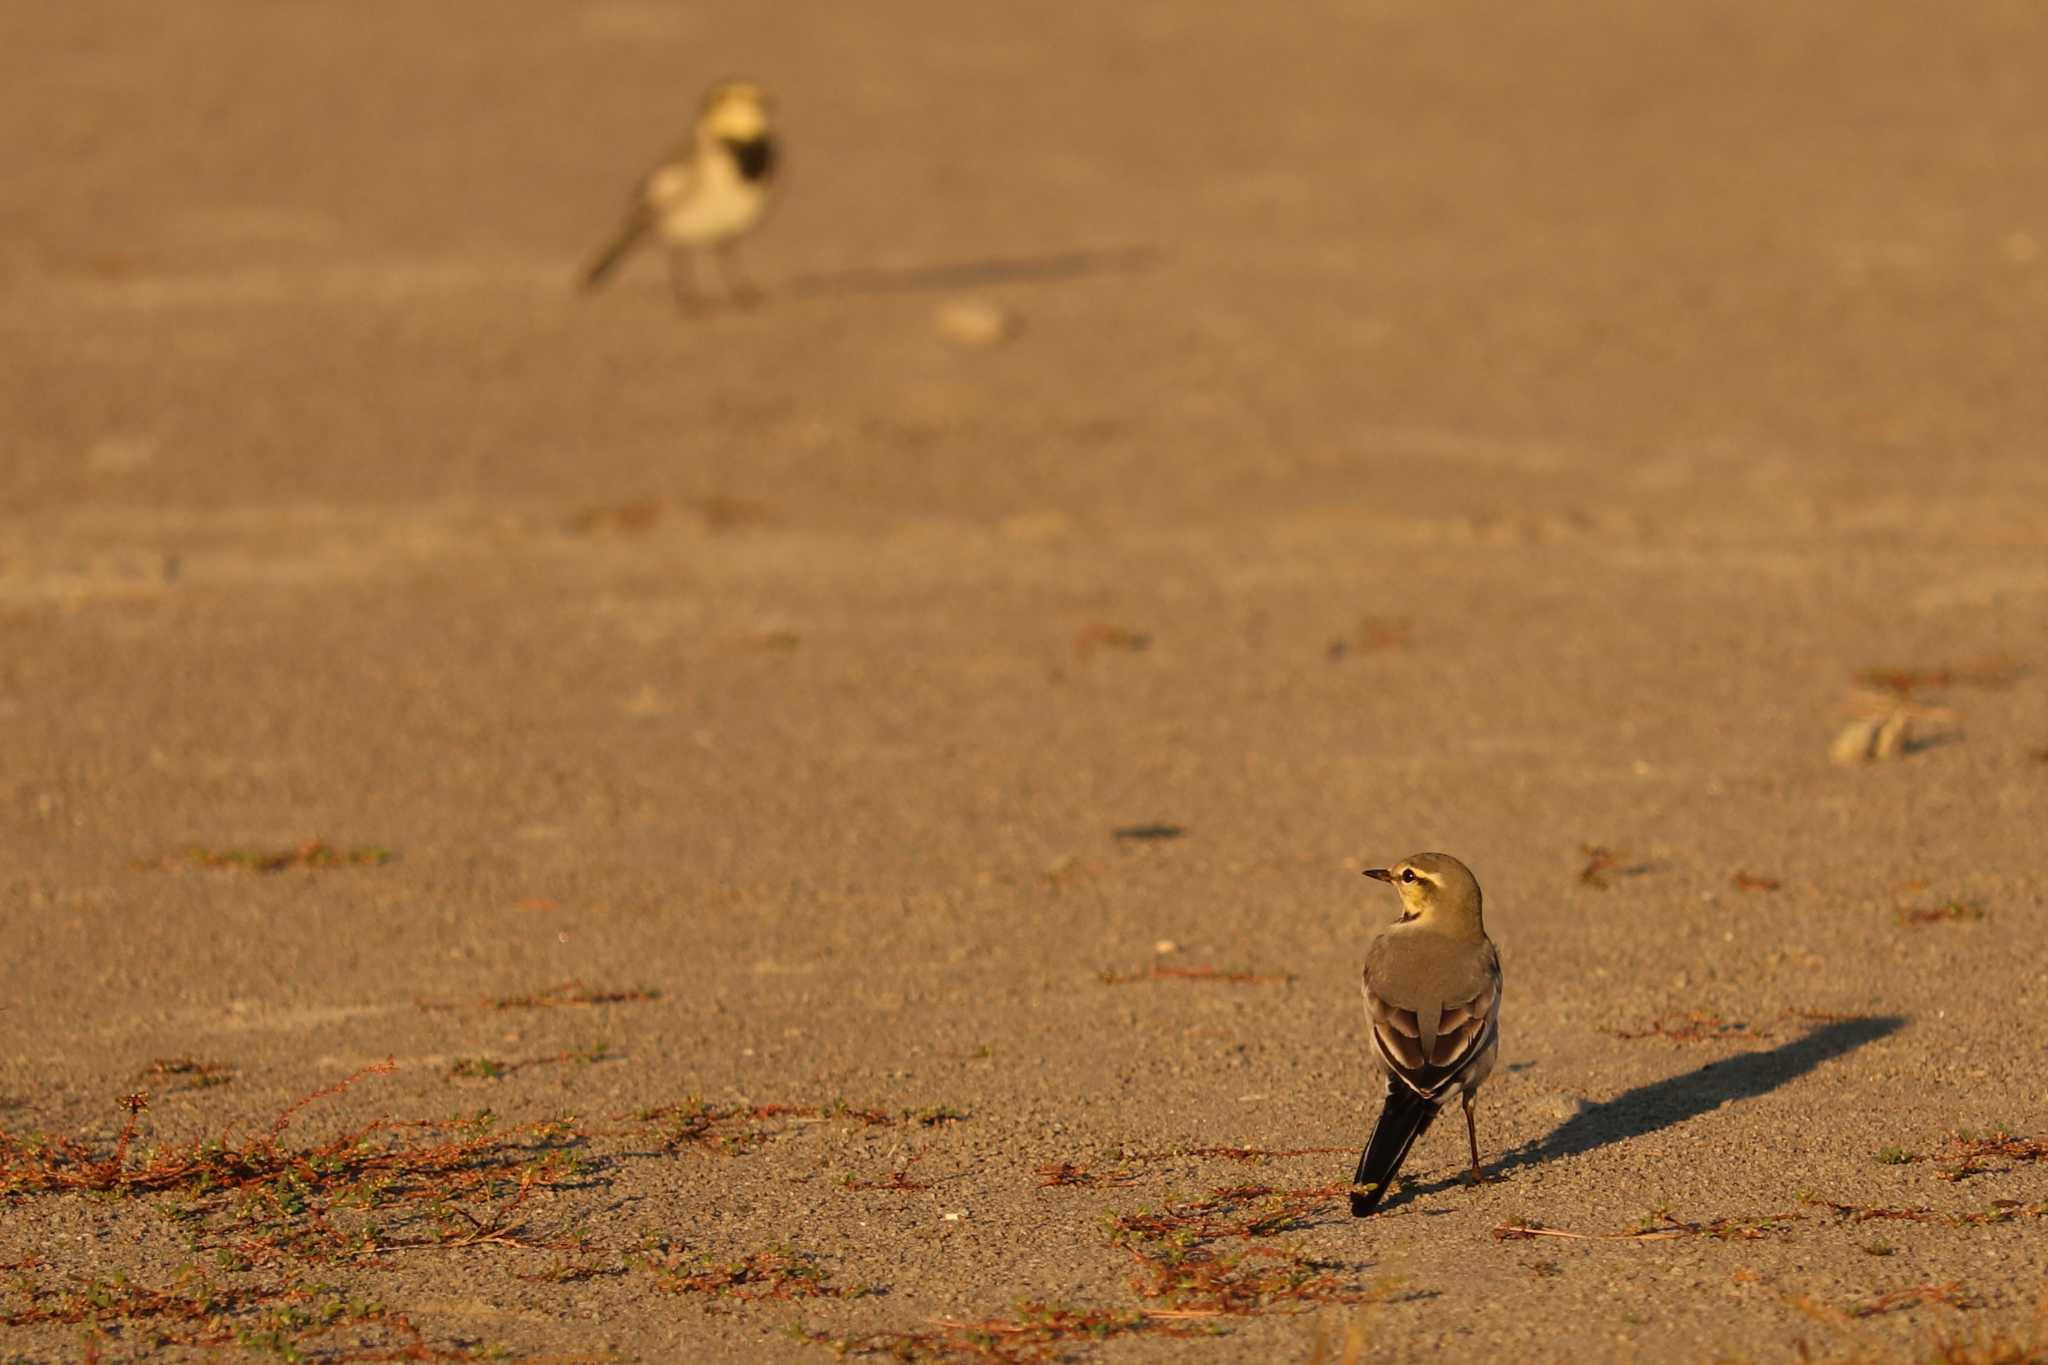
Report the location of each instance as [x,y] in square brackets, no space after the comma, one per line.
[1506,430]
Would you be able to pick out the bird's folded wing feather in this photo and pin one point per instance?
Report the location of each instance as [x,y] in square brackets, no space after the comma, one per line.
[1429,1061]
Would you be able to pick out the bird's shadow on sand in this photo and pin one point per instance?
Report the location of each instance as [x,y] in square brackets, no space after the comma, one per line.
[1048,266]
[1663,1104]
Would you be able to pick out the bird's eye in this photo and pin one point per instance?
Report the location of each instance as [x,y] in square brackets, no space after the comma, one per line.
[1407,874]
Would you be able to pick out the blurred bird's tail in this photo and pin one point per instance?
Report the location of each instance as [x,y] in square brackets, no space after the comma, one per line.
[630,233]
[1401,1122]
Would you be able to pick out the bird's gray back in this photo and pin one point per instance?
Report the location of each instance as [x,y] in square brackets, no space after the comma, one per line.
[1416,969]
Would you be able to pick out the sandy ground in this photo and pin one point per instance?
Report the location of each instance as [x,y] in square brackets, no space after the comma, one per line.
[1506,429]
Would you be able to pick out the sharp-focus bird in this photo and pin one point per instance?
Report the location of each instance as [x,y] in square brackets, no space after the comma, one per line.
[706,196]
[1432,1001]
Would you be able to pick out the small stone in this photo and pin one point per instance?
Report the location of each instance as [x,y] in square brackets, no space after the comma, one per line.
[1563,1105]
[1893,736]
[1856,741]
[975,323]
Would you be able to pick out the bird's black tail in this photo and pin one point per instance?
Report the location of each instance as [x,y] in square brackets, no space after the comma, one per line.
[630,232]
[1401,1122]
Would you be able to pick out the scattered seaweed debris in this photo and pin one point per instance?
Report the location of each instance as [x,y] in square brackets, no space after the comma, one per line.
[1996,1212]
[778,1273]
[1604,864]
[1989,674]
[1694,1026]
[1229,976]
[1948,912]
[183,1073]
[566,995]
[1966,1154]
[1660,1225]
[735,1129]
[1033,1331]
[1372,635]
[314,855]
[1142,834]
[1100,636]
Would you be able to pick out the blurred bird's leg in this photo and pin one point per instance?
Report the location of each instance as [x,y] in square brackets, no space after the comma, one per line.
[682,279]
[743,290]
[1472,1177]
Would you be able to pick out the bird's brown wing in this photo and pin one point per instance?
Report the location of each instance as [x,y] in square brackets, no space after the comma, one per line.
[1432,1066]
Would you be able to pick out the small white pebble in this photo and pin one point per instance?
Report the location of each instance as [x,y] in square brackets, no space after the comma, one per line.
[1857,739]
[975,323]
[1892,736]
[1852,745]
[1563,1106]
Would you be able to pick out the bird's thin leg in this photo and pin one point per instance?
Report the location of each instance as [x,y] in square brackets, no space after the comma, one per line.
[1472,1137]
[682,279]
[743,290]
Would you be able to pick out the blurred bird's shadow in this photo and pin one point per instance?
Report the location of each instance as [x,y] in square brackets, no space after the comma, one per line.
[1663,1104]
[1060,265]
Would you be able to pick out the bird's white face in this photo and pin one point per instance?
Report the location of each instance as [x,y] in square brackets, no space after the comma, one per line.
[1431,884]
[736,112]
[1418,887]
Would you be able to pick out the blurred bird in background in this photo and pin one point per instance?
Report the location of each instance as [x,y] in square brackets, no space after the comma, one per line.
[706,196]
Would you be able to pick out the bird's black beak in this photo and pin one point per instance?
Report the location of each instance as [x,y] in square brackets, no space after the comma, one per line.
[1379,874]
